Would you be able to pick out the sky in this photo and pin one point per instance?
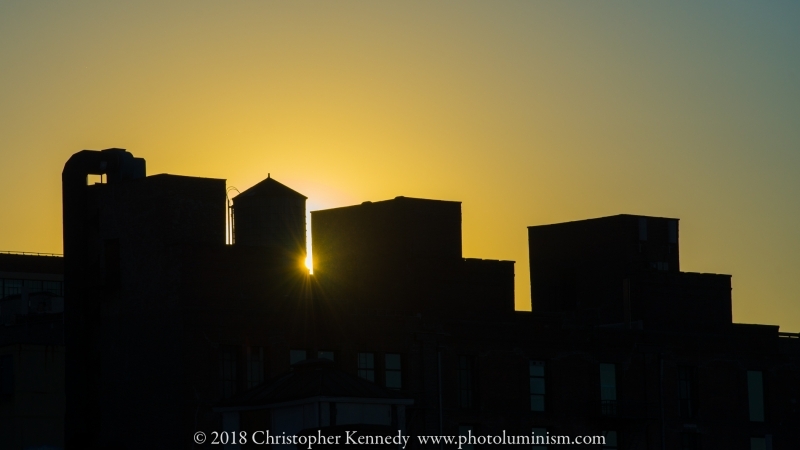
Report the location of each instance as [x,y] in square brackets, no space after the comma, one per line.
[528,112]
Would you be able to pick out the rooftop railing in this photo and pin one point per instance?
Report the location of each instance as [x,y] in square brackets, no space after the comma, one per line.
[57,255]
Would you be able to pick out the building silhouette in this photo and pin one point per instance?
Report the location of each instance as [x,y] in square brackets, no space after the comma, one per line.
[623,269]
[272,216]
[31,350]
[404,255]
[168,329]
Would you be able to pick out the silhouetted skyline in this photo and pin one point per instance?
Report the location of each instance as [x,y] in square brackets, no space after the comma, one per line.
[529,113]
[168,329]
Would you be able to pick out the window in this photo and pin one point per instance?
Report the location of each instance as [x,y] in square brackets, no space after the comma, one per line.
[659,265]
[325,354]
[610,440]
[228,362]
[53,287]
[393,373]
[642,228]
[32,285]
[466,431]
[255,366]
[366,366]
[537,387]
[295,356]
[687,387]
[755,393]
[673,231]
[466,381]
[539,438]
[608,389]
[6,378]
[12,287]
[761,443]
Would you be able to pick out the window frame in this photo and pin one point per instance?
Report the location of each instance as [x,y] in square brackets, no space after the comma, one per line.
[387,371]
[608,406]
[761,442]
[756,396]
[607,445]
[294,353]
[365,366]
[255,366]
[540,377]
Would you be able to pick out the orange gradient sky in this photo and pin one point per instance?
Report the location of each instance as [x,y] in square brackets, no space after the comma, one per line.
[527,112]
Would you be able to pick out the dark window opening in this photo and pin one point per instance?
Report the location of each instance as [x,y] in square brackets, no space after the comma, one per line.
[366,366]
[295,356]
[537,385]
[608,389]
[687,391]
[229,361]
[610,440]
[12,287]
[673,231]
[255,366]
[393,371]
[755,394]
[642,229]
[466,381]
[758,443]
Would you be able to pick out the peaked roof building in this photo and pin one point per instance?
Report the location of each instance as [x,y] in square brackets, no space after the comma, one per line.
[271,216]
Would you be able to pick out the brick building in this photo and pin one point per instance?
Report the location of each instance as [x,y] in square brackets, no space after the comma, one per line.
[165,322]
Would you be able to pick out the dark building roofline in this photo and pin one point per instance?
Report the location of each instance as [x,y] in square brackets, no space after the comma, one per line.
[602,218]
[270,187]
[27,263]
[172,175]
[488,260]
[383,202]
